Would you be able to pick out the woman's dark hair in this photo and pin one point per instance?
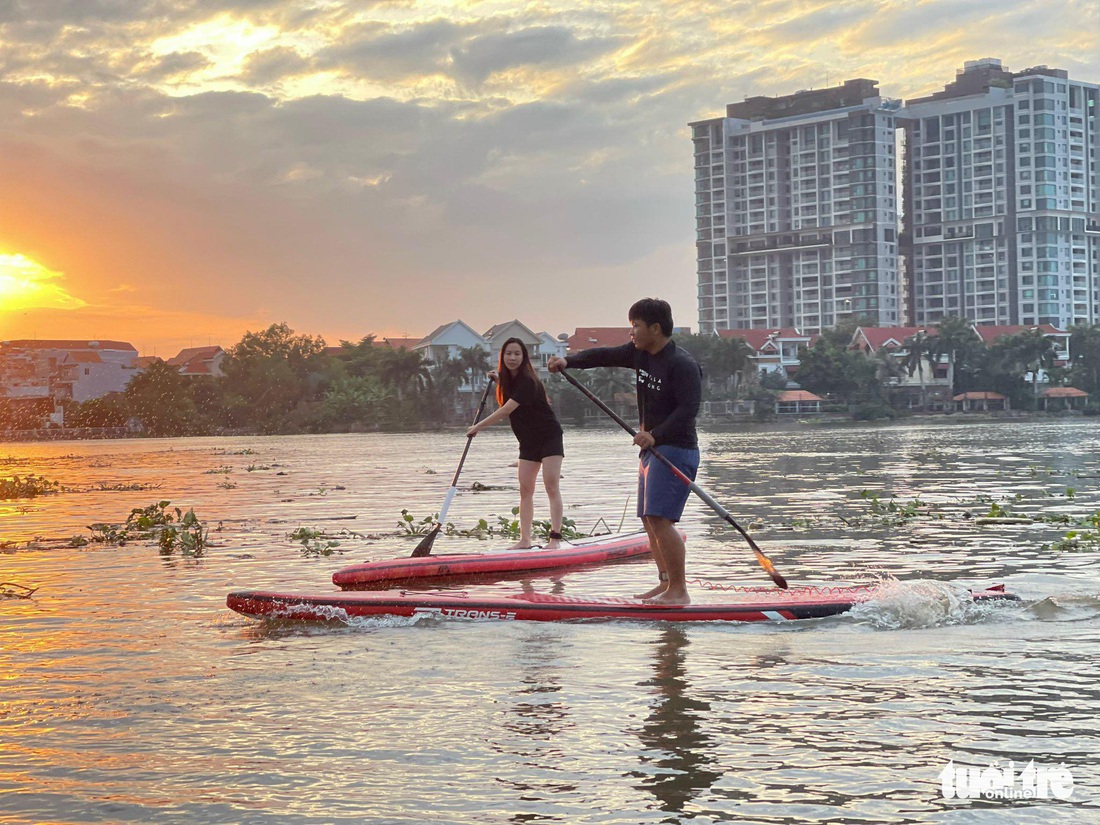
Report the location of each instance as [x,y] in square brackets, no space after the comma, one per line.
[652,311]
[526,370]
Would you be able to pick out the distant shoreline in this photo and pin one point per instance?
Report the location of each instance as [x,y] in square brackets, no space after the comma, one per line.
[793,422]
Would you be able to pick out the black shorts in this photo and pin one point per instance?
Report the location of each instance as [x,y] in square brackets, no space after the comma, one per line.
[551,445]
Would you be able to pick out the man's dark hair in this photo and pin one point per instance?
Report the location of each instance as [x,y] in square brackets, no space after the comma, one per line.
[652,311]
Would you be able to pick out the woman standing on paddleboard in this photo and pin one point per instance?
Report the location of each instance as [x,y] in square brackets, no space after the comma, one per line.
[522,399]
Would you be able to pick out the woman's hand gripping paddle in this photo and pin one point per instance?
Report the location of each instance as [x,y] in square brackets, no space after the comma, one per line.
[763,560]
[425,546]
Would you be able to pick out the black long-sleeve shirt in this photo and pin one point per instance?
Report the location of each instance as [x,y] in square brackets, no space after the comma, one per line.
[669,385]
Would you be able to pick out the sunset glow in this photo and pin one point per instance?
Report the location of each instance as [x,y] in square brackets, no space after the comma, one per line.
[25,284]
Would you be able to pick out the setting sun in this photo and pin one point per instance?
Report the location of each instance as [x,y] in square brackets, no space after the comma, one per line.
[26,284]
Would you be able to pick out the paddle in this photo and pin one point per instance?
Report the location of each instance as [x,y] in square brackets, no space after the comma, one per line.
[425,546]
[764,561]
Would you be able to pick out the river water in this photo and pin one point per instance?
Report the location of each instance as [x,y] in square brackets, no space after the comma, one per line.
[129,693]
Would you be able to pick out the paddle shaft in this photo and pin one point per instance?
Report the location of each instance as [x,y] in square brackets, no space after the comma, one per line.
[425,546]
[764,561]
[465,450]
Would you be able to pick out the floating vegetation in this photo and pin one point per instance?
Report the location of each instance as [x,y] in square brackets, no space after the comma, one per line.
[891,513]
[1088,539]
[478,487]
[539,529]
[27,487]
[15,590]
[255,468]
[170,529]
[133,487]
[246,451]
[226,485]
[505,527]
[218,471]
[324,491]
[318,542]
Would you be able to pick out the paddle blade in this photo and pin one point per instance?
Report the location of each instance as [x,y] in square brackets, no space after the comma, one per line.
[425,546]
[769,568]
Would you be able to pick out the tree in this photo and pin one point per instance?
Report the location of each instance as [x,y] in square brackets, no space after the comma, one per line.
[268,373]
[360,359]
[1012,357]
[919,348]
[831,368]
[353,402]
[475,360]
[1084,348]
[110,410]
[956,339]
[161,398]
[405,370]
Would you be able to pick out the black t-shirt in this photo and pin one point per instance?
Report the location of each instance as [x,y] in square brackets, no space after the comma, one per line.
[533,421]
[670,387]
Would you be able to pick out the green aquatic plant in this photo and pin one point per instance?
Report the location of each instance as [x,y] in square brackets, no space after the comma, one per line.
[505,527]
[170,529]
[316,541]
[27,487]
[509,527]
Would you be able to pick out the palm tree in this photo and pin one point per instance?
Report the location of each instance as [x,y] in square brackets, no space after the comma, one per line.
[919,349]
[956,339]
[475,363]
[1037,352]
[404,369]
[447,378]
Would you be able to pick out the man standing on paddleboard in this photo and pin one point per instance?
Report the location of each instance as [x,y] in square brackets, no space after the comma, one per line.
[669,387]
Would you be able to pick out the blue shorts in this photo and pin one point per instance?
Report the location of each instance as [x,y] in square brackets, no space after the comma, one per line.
[660,492]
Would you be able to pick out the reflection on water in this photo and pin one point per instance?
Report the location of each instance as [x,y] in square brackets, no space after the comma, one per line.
[130,694]
[676,763]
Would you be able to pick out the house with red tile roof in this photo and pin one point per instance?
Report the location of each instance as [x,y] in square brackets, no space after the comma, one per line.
[590,337]
[1060,337]
[774,350]
[199,361]
[929,386]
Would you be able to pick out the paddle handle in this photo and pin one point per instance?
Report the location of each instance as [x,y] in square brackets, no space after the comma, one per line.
[762,559]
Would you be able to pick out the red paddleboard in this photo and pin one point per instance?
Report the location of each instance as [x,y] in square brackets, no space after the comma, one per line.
[748,604]
[594,550]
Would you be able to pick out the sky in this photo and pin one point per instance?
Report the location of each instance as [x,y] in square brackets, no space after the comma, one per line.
[176,173]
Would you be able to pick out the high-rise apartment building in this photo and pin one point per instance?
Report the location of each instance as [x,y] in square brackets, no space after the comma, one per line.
[1002,198]
[797,205]
[797,211]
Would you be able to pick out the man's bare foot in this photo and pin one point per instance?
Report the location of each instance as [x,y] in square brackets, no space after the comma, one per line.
[553,544]
[672,597]
[656,591]
[519,545]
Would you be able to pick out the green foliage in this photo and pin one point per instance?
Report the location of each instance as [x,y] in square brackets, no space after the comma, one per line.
[831,368]
[170,529]
[1086,539]
[27,487]
[890,513]
[505,527]
[162,399]
[112,410]
[509,528]
[269,373]
[315,542]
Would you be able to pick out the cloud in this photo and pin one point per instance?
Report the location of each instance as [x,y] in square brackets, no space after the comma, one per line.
[339,162]
[537,46]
